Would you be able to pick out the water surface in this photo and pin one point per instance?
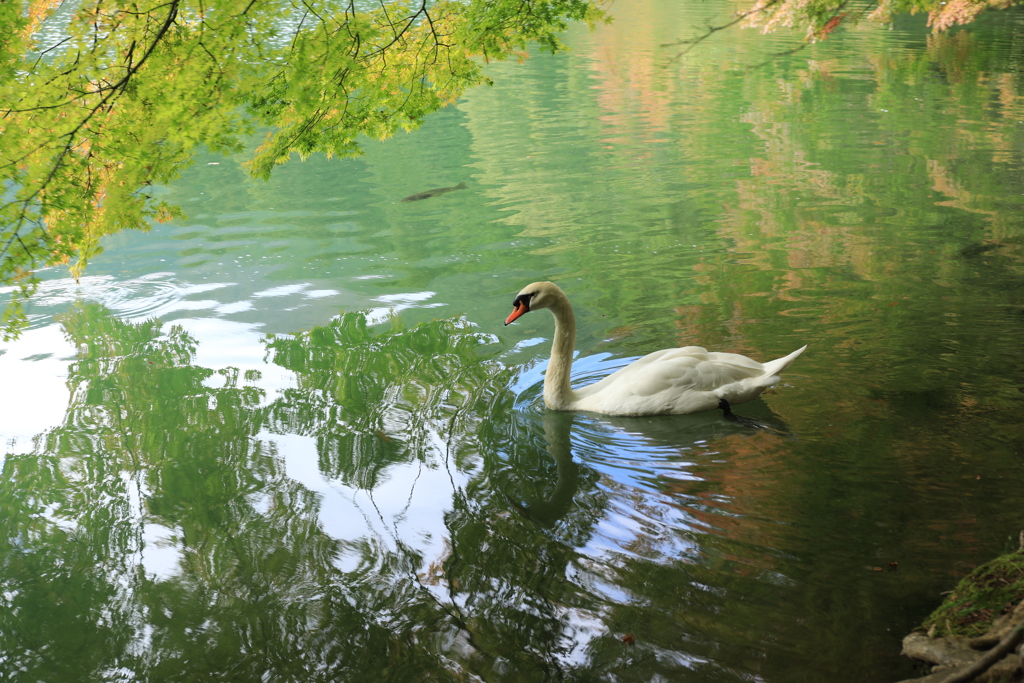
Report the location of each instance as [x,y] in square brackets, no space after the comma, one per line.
[288,437]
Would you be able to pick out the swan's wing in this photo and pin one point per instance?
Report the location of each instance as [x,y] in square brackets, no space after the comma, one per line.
[685,380]
[690,368]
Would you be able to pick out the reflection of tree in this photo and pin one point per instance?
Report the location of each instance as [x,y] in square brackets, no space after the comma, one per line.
[517,579]
[800,209]
[161,459]
[150,455]
[374,399]
[156,452]
[84,524]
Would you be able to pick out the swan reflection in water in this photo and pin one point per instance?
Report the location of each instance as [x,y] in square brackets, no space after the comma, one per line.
[634,444]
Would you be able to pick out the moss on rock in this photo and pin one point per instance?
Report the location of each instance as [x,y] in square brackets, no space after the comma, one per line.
[991,590]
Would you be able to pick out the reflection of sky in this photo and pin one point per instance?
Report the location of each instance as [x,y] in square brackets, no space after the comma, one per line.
[34,394]
[635,458]
[644,466]
[407,506]
[161,553]
[228,322]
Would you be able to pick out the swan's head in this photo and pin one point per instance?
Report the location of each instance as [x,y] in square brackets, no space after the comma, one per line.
[535,296]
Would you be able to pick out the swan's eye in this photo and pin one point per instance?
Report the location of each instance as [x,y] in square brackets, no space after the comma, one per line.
[524,300]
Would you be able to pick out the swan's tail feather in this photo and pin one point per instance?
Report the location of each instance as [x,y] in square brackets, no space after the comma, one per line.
[774,367]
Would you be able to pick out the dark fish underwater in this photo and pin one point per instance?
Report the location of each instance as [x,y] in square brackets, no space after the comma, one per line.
[433,193]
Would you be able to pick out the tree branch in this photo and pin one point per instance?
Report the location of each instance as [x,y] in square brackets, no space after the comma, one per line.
[711,30]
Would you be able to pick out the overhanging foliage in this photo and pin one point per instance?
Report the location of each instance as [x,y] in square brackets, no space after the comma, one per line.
[128,91]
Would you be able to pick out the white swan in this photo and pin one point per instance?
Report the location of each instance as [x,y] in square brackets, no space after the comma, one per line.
[667,382]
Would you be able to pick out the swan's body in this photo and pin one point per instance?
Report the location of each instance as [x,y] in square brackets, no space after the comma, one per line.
[667,382]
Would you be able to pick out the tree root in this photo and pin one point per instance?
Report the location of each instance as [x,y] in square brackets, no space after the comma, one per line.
[957,660]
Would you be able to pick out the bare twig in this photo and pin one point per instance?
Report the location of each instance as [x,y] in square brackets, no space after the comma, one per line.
[711,30]
[837,15]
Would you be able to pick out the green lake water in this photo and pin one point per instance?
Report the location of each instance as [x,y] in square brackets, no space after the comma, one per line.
[288,437]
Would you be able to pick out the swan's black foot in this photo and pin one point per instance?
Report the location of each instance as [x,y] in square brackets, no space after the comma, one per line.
[745,421]
[724,406]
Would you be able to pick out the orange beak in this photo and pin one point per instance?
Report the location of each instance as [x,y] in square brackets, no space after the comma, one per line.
[519,309]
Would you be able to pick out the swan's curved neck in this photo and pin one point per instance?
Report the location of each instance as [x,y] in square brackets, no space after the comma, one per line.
[558,394]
